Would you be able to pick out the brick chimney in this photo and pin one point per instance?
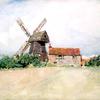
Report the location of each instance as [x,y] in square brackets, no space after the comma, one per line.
[50,45]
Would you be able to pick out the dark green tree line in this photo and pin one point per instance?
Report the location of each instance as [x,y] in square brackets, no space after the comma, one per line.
[94,61]
[20,62]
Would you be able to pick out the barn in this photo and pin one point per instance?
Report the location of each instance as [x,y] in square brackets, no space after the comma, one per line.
[70,56]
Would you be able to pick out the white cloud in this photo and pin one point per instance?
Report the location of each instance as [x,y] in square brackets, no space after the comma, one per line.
[69,23]
[4,1]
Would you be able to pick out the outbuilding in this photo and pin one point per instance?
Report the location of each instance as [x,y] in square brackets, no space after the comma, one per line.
[70,56]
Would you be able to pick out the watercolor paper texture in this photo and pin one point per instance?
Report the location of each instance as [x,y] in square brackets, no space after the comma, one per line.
[73,33]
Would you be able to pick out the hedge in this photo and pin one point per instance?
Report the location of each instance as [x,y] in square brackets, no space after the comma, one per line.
[20,62]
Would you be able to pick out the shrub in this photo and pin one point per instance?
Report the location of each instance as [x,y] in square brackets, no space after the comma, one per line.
[94,62]
[20,62]
[27,59]
[4,61]
[8,62]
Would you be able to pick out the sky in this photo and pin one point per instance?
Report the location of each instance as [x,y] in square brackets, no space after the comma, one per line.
[70,23]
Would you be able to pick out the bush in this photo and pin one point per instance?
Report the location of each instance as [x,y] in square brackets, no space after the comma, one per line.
[4,61]
[19,62]
[94,62]
[27,59]
[8,62]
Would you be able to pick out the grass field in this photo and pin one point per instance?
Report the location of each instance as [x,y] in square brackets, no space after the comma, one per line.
[50,83]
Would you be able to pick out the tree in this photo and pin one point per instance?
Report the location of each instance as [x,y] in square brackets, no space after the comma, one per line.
[20,62]
[94,61]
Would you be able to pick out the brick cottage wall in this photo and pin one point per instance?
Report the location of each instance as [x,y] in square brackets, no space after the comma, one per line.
[65,59]
[65,55]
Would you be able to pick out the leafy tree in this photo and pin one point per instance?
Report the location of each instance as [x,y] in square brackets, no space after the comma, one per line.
[94,62]
[27,59]
[8,62]
[20,62]
[4,61]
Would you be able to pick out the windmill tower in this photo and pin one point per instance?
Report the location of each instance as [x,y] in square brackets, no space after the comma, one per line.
[36,41]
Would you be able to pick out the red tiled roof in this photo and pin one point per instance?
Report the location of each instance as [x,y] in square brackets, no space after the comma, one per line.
[64,51]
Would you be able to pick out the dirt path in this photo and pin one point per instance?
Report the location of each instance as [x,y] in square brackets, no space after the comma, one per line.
[50,84]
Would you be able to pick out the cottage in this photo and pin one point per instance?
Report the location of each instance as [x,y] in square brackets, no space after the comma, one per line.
[65,56]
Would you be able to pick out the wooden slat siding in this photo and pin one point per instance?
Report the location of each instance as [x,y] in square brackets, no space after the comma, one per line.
[40,36]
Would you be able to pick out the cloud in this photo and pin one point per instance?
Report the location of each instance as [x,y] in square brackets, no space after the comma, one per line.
[3,1]
[69,23]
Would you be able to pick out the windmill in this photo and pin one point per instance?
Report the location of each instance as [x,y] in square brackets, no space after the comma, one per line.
[36,41]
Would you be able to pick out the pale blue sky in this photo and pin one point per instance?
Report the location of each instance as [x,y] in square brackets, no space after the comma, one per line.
[70,23]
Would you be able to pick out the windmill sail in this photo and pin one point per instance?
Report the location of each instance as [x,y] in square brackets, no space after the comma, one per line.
[21,24]
[43,22]
[40,25]
[23,48]
[26,44]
